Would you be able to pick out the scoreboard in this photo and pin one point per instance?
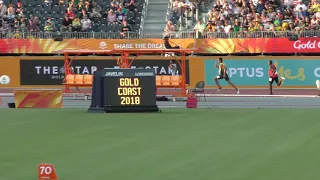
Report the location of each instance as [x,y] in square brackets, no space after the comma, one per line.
[130,90]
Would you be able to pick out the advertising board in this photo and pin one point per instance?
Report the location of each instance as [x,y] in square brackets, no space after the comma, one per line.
[254,72]
[205,46]
[51,72]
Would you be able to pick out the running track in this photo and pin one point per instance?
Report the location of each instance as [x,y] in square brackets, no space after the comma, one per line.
[226,98]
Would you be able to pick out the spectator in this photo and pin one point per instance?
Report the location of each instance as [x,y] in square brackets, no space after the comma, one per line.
[301,5]
[35,19]
[277,27]
[306,23]
[301,14]
[199,27]
[48,27]
[11,12]
[114,5]
[260,6]
[53,24]
[120,15]
[170,28]
[269,26]
[16,23]
[76,25]
[21,14]
[314,23]
[3,10]
[17,34]
[73,4]
[83,13]
[95,11]
[210,27]
[288,15]
[318,14]
[86,24]
[227,27]
[66,24]
[125,29]
[185,6]
[81,5]
[23,25]
[19,8]
[176,7]
[291,27]
[237,27]
[124,10]
[32,27]
[315,7]
[70,13]
[132,6]
[112,17]
[87,6]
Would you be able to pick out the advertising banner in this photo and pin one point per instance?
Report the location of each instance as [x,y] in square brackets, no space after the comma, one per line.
[254,72]
[38,98]
[10,66]
[205,46]
[51,72]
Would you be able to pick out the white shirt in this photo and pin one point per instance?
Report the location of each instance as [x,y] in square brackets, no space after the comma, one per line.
[85,24]
[227,28]
[303,6]
[200,27]
[255,2]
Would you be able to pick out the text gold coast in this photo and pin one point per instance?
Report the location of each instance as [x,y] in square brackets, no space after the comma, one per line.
[129,91]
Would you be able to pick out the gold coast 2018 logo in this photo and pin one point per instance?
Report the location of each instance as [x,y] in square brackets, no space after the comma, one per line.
[4,79]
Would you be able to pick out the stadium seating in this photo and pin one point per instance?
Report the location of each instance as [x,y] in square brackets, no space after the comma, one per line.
[86,80]
[168,81]
[42,11]
[78,80]
[231,19]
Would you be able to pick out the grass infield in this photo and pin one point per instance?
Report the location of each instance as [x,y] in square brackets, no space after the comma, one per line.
[177,144]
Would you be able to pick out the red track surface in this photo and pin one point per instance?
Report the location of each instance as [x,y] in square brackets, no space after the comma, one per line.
[232,91]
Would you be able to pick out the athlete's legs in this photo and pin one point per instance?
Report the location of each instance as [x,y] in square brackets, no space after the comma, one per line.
[217,82]
[232,84]
[281,81]
[270,85]
[228,80]
[277,81]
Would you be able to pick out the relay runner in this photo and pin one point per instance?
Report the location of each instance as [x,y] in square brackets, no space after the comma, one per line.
[223,75]
[273,76]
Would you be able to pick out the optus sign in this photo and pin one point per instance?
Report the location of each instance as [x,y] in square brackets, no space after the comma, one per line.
[298,72]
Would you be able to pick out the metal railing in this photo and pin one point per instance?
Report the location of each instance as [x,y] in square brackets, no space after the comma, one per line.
[143,35]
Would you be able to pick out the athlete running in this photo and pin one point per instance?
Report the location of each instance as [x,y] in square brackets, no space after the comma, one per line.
[223,75]
[273,76]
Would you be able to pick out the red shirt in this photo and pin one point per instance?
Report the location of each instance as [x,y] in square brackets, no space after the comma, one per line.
[71,14]
[273,71]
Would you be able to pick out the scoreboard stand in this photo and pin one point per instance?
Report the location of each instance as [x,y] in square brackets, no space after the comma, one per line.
[137,109]
[124,90]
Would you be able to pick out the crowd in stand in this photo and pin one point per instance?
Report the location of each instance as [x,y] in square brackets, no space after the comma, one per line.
[79,16]
[255,16]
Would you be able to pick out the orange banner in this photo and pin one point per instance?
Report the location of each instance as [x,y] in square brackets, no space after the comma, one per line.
[10,66]
[38,98]
[205,46]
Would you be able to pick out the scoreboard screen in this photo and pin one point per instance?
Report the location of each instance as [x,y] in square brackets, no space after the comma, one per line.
[130,87]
